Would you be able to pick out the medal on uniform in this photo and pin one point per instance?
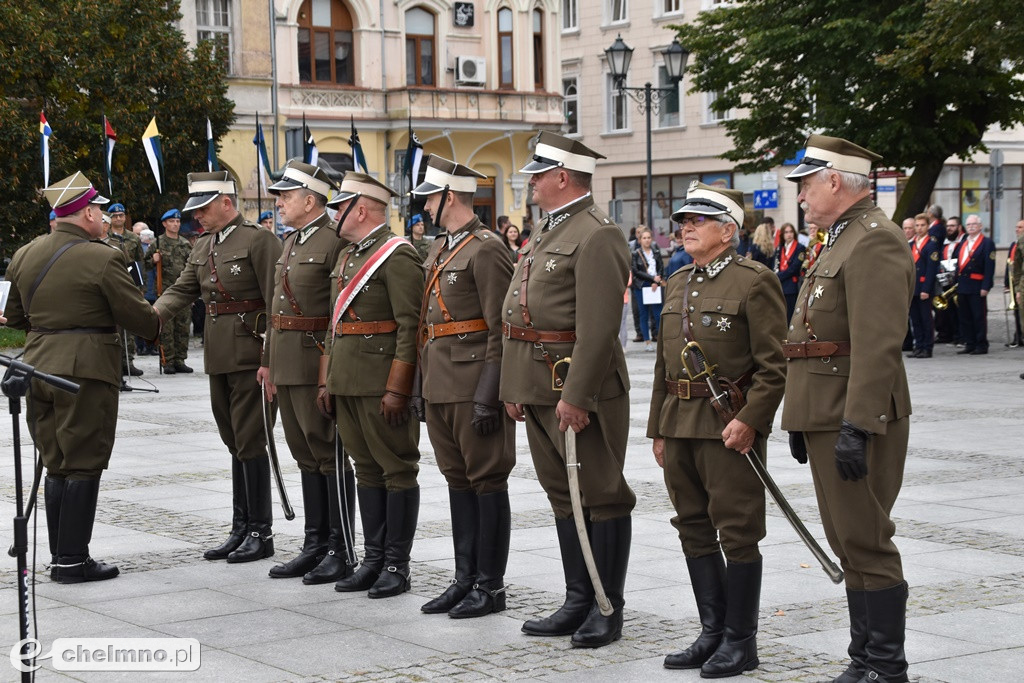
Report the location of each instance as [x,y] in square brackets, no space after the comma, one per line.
[236,269]
[819,291]
[452,277]
[723,324]
[550,265]
[706,320]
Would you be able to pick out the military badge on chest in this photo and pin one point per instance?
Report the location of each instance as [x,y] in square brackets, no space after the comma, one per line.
[819,291]
[453,277]
[550,265]
[236,269]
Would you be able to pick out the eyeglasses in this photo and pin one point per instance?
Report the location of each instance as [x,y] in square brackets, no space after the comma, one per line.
[697,220]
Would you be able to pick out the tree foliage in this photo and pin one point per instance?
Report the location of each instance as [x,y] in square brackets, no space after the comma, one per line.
[917,81]
[81,59]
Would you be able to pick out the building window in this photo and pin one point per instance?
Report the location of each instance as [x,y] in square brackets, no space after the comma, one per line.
[570,16]
[325,42]
[538,49]
[618,11]
[710,115]
[668,107]
[570,103]
[671,6]
[419,47]
[616,105]
[213,23]
[505,58]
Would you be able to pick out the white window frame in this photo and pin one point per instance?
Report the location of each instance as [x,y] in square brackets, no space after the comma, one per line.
[668,8]
[211,31]
[609,10]
[658,69]
[712,117]
[711,4]
[613,99]
[570,16]
[575,79]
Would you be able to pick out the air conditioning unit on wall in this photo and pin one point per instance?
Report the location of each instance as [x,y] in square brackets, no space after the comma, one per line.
[470,70]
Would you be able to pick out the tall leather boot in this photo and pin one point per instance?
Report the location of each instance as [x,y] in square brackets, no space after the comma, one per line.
[610,540]
[317,523]
[373,510]
[858,606]
[488,594]
[77,515]
[53,492]
[403,511]
[707,577]
[887,625]
[579,591]
[239,514]
[738,650]
[335,564]
[466,519]
[259,543]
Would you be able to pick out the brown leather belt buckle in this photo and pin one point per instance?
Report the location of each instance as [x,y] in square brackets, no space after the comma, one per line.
[680,384]
[428,331]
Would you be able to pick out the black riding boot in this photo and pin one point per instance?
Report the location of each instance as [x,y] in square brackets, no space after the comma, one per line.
[259,543]
[53,492]
[579,591]
[77,515]
[857,604]
[488,594]
[465,522]
[738,650]
[314,546]
[707,577]
[611,541]
[887,625]
[239,514]
[403,511]
[373,511]
[335,564]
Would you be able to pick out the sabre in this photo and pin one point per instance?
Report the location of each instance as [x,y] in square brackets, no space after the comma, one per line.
[275,465]
[346,521]
[698,367]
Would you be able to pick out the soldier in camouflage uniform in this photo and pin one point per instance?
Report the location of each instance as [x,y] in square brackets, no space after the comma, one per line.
[131,246]
[169,254]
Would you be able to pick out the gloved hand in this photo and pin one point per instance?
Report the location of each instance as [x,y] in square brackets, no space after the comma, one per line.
[851,452]
[798,447]
[395,408]
[417,408]
[324,403]
[486,419]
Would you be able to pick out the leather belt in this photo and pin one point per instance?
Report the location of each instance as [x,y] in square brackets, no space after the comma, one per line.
[687,389]
[374,327]
[819,349]
[432,331]
[76,330]
[529,334]
[216,308]
[298,322]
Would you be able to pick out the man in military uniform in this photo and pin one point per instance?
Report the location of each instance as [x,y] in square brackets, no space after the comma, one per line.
[468,273]
[565,300]
[168,256]
[300,316]
[131,246]
[232,268]
[926,264]
[69,291]
[734,308]
[416,238]
[847,403]
[976,270]
[366,379]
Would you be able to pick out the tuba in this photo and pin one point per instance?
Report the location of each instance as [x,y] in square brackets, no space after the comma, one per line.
[941,301]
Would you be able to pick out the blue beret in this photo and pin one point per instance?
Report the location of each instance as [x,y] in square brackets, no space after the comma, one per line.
[417,218]
[115,208]
[265,215]
[53,215]
[172,213]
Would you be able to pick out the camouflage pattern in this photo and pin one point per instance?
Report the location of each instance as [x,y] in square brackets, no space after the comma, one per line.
[131,246]
[174,253]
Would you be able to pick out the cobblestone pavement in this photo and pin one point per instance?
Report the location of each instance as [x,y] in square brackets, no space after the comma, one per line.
[959,522]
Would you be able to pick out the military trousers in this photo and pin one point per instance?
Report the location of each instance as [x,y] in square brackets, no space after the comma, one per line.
[238,410]
[601,451]
[383,456]
[174,337]
[855,514]
[74,432]
[717,496]
[467,460]
[310,436]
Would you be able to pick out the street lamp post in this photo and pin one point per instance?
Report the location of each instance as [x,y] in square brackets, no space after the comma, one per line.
[648,98]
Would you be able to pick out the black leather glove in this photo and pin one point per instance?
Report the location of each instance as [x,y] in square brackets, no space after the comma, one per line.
[851,452]
[798,447]
[416,408]
[486,406]
[486,419]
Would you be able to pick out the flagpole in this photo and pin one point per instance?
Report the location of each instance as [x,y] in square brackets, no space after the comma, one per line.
[103,151]
[259,174]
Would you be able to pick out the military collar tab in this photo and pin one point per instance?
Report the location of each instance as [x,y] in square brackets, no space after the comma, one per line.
[370,238]
[717,266]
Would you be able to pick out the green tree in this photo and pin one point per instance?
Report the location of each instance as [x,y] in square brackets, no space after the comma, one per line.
[917,81]
[81,59]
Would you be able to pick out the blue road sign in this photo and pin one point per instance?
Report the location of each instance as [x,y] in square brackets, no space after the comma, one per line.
[766,199]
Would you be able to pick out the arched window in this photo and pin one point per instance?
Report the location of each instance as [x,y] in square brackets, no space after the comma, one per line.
[419,47]
[325,42]
[538,49]
[505,70]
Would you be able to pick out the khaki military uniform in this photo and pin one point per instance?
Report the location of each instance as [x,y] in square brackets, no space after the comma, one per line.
[174,253]
[296,337]
[858,291]
[233,351]
[578,272]
[384,456]
[735,310]
[471,282]
[71,333]
[422,247]
[1017,268]
[131,246]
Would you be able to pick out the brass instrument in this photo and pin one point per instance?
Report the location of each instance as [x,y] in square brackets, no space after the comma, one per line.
[941,301]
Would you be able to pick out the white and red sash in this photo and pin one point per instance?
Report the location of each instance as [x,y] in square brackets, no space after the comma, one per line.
[787,253]
[965,258]
[916,246]
[349,292]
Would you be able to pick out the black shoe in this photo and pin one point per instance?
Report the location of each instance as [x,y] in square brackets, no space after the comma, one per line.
[179,366]
[169,369]
[465,529]
[707,577]
[916,353]
[259,541]
[335,565]
[857,604]
[579,591]
[314,546]
[738,650]
[979,352]
[239,515]
[965,351]
[373,507]
[638,338]
[610,540]
[131,370]
[74,533]
[926,353]
[488,594]
[887,621]
[403,511]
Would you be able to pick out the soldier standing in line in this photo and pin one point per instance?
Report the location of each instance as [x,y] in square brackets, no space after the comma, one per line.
[366,379]
[131,246]
[169,254]
[68,291]
[300,317]
[232,268]
[735,309]
[565,300]
[468,273]
[847,404]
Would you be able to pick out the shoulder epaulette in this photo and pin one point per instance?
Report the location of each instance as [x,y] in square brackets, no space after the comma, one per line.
[750,263]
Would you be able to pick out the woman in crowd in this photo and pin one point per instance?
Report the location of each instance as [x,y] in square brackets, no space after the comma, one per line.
[648,272]
[788,259]
[762,245]
[513,240]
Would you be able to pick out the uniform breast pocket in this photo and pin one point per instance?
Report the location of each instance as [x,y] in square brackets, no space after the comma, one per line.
[468,353]
[671,325]
[234,264]
[455,277]
[721,319]
[553,263]
[824,288]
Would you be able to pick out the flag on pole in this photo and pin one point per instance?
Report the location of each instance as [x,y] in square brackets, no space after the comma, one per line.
[44,134]
[413,157]
[111,139]
[151,143]
[211,149]
[310,154]
[358,158]
[262,161]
